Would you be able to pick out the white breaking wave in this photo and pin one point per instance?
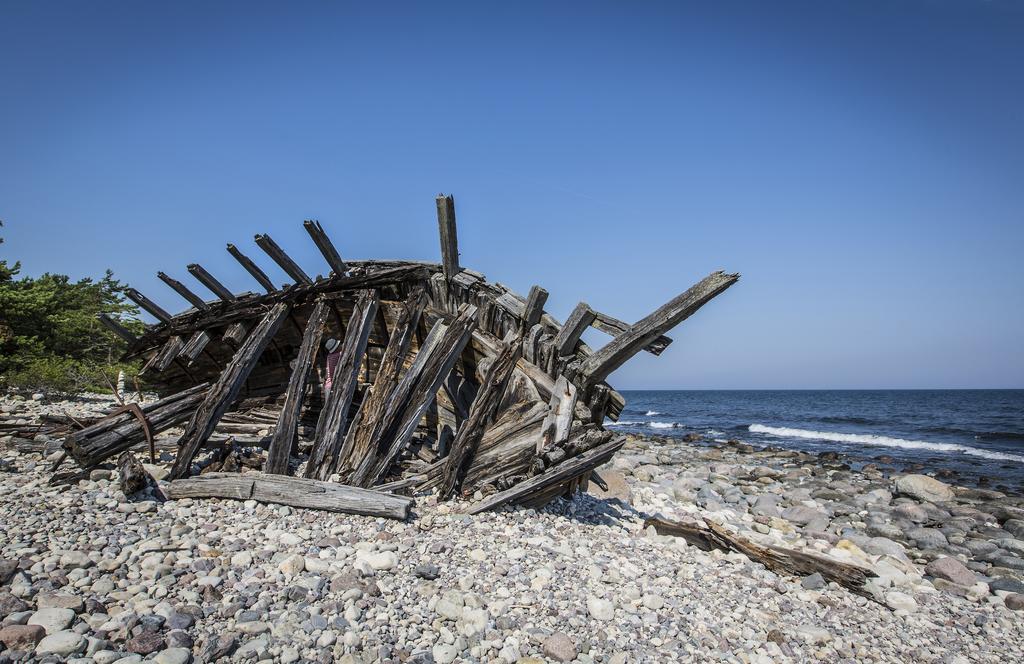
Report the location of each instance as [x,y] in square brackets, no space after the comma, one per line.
[651,413]
[624,424]
[663,425]
[653,425]
[713,432]
[884,441]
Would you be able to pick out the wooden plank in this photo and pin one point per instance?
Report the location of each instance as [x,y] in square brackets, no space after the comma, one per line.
[284,434]
[431,368]
[579,320]
[535,302]
[226,389]
[284,261]
[182,290]
[615,353]
[237,331]
[615,327]
[148,305]
[119,330]
[481,415]
[252,268]
[195,345]
[558,422]
[449,235]
[326,247]
[552,479]
[373,409]
[293,491]
[330,429]
[208,280]
[170,351]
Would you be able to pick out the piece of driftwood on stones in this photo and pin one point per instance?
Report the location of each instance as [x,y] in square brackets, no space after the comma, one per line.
[131,475]
[427,397]
[710,535]
[293,491]
[226,389]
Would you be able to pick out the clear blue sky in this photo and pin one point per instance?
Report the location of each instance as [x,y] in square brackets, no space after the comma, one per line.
[860,163]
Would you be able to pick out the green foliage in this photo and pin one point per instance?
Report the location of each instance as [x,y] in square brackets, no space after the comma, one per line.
[50,338]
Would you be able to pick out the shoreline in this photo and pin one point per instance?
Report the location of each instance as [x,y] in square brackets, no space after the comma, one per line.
[112,576]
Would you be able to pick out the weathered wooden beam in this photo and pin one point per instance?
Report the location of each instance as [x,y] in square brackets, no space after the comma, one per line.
[292,491]
[482,413]
[579,320]
[182,290]
[226,389]
[237,331]
[252,268]
[91,445]
[147,304]
[284,261]
[373,409]
[284,434]
[449,235]
[119,330]
[326,247]
[535,302]
[330,428]
[615,327]
[435,360]
[195,345]
[558,422]
[549,483]
[208,280]
[615,353]
[170,351]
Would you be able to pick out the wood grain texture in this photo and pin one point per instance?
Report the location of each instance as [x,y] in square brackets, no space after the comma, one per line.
[283,260]
[211,282]
[449,235]
[182,290]
[252,268]
[326,247]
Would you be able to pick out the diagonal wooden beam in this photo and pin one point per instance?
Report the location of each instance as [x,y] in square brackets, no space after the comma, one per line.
[208,280]
[252,268]
[119,330]
[330,429]
[449,235]
[614,354]
[326,247]
[481,415]
[226,389]
[276,253]
[169,351]
[615,327]
[147,304]
[182,290]
[284,434]
[372,410]
[579,320]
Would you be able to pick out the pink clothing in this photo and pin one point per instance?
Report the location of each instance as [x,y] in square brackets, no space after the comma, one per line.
[332,367]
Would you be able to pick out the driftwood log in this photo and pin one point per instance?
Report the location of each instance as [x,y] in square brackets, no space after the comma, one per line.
[446,381]
[293,491]
[710,535]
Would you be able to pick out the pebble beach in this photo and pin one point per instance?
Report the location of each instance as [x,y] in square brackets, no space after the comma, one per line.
[88,574]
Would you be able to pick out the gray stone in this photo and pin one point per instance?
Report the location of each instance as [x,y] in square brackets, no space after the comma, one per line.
[22,637]
[924,488]
[927,538]
[803,515]
[951,569]
[813,582]
[1006,585]
[53,620]
[63,643]
[1015,602]
[559,647]
[176,656]
[59,601]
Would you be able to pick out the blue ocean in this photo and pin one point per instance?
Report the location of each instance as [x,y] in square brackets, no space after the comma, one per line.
[977,433]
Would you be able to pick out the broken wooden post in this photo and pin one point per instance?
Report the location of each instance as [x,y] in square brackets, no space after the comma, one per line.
[182,290]
[293,491]
[237,331]
[330,429]
[148,305]
[284,434]
[558,422]
[208,280]
[449,235]
[284,261]
[326,247]
[195,345]
[170,351]
[614,354]
[226,389]
[119,330]
[252,268]
[481,415]
[578,321]
[534,307]
[131,475]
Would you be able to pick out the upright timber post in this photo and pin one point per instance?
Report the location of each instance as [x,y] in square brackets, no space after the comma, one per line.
[449,236]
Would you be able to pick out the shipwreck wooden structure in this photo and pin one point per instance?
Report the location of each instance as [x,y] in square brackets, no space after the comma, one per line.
[444,380]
